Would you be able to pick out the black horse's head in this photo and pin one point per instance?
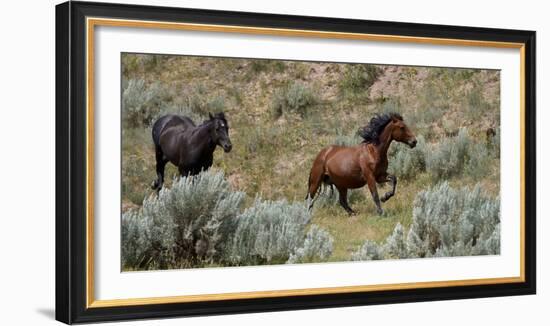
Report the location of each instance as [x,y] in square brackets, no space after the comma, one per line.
[220,131]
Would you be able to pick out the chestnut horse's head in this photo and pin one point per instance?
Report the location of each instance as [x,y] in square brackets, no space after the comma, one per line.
[401,131]
[393,122]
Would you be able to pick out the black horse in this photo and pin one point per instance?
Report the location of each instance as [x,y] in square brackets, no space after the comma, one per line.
[189,147]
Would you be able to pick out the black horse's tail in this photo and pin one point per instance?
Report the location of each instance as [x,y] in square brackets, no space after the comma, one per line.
[155,132]
[157,129]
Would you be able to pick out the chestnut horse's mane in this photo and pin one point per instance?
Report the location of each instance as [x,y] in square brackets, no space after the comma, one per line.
[371,132]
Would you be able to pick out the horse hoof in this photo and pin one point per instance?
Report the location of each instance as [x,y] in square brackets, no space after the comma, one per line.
[155,185]
[352,213]
[380,212]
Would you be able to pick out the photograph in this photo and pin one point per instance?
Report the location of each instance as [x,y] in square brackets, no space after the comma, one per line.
[225,160]
[230,162]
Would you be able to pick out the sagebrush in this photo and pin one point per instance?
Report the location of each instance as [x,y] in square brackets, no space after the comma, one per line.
[295,98]
[407,163]
[198,222]
[275,232]
[446,222]
[141,102]
[357,78]
[186,225]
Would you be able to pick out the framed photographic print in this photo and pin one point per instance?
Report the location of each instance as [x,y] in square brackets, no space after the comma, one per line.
[214,162]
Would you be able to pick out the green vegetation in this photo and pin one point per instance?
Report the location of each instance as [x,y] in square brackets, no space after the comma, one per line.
[271,232]
[295,98]
[185,226]
[281,114]
[198,222]
[446,222]
[357,78]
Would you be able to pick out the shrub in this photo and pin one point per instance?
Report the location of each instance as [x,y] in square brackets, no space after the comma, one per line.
[461,155]
[198,222]
[274,231]
[370,250]
[425,117]
[493,144]
[135,169]
[295,98]
[407,162]
[475,102]
[446,222]
[317,247]
[390,105]
[134,245]
[478,161]
[136,64]
[394,247]
[357,78]
[450,156]
[184,226]
[199,100]
[260,65]
[457,222]
[439,90]
[262,139]
[351,139]
[142,102]
[396,244]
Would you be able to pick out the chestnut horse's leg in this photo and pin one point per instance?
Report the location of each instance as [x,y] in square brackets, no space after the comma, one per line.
[393,181]
[331,186]
[343,192]
[371,183]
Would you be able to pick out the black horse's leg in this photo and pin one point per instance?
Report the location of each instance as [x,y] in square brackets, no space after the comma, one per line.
[371,183]
[186,172]
[389,194]
[161,163]
[343,192]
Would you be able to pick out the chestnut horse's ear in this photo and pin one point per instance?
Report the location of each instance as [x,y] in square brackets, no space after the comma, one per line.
[210,116]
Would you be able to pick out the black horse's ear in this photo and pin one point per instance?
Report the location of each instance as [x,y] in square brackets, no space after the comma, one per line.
[210,116]
[221,115]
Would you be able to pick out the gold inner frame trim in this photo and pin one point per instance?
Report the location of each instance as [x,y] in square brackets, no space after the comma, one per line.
[92,22]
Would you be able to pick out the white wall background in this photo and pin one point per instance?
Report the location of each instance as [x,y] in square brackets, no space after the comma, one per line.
[27,137]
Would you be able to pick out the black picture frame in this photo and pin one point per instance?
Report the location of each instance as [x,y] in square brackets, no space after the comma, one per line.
[71,158]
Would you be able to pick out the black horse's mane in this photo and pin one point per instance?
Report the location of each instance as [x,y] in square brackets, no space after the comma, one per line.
[371,132]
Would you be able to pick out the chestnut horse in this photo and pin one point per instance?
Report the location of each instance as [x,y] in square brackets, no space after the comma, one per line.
[353,167]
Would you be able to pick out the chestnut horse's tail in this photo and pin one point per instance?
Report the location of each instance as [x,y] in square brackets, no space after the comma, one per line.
[317,173]
[308,185]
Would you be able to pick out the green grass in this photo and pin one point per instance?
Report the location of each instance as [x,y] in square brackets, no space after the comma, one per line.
[271,156]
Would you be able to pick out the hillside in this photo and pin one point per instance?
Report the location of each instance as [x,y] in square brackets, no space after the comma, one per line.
[282,113]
